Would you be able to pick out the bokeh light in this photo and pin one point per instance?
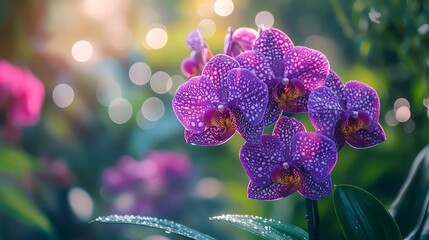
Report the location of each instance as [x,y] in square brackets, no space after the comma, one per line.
[82,51]
[139,73]
[208,188]
[120,36]
[120,110]
[205,10]
[401,102]
[403,114]
[143,123]
[161,82]
[390,118]
[153,109]
[63,95]
[81,203]
[207,27]
[265,19]
[156,38]
[223,8]
[409,126]
[177,81]
[108,90]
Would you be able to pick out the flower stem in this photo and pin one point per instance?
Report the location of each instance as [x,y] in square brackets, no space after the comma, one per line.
[312,218]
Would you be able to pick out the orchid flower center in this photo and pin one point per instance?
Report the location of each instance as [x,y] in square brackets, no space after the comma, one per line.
[220,121]
[287,90]
[287,175]
[354,122]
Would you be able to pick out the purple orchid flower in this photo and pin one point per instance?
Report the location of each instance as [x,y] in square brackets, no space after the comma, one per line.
[346,113]
[290,72]
[239,40]
[224,99]
[200,54]
[290,160]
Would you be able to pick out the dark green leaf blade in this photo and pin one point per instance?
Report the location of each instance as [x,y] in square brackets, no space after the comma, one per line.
[166,225]
[408,209]
[362,216]
[266,228]
[16,205]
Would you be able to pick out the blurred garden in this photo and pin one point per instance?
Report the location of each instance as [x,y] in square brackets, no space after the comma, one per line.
[87,126]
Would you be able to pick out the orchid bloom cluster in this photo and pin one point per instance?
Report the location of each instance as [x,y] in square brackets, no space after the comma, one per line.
[259,76]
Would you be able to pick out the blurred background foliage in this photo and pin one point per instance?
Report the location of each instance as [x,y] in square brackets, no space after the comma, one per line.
[110,69]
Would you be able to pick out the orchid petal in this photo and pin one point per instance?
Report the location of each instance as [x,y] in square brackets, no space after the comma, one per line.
[324,111]
[273,111]
[285,129]
[274,44]
[314,190]
[239,40]
[247,93]
[333,81]
[251,133]
[191,101]
[205,138]
[365,138]
[271,192]
[258,64]
[308,65]
[216,70]
[360,96]
[259,159]
[195,40]
[296,105]
[314,153]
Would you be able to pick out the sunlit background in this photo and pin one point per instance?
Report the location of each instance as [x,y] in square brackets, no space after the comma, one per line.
[108,142]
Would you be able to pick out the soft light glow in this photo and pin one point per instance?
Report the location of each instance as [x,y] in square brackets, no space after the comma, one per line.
[409,126]
[426,102]
[63,95]
[139,73]
[223,8]
[156,237]
[208,188]
[205,10]
[125,201]
[390,118]
[207,27]
[120,36]
[120,110]
[156,38]
[374,15]
[265,19]
[402,114]
[423,29]
[143,123]
[108,90]
[153,109]
[177,81]
[161,82]
[82,51]
[400,102]
[81,203]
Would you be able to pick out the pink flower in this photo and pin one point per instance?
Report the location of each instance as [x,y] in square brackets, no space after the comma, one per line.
[21,96]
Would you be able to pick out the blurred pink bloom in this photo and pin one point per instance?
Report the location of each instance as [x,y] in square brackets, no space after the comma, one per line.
[21,95]
[155,185]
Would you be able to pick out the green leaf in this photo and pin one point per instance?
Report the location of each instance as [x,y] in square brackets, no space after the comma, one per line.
[266,228]
[166,225]
[15,161]
[16,205]
[362,216]
[410,205]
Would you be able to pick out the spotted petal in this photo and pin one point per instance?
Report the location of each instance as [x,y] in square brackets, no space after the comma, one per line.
[333,81]
[216,70]
[205,138]
[308,65]
[259,159]
[271,192]
[191,100]
[285,129]
[239,40]
[315,190]
[365,138]
[247,93]
[313,153]
[273,111]
[360,96]
[297,105]
[258,64]
[251,133]
[274,44]
[324,111]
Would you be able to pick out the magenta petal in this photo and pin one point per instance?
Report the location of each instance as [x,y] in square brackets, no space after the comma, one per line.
[251,133]
[274,44]
[216,70]
[315,190]
[205,138]
[365,138]
[248,93]
[258,64]
[338,138]
[360,96]
[324,111]
[308,65]
[285,129]
[259,159]
[191,100]
[314,153]
[239,40]
[195,40]
[271,192]
[333,81]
